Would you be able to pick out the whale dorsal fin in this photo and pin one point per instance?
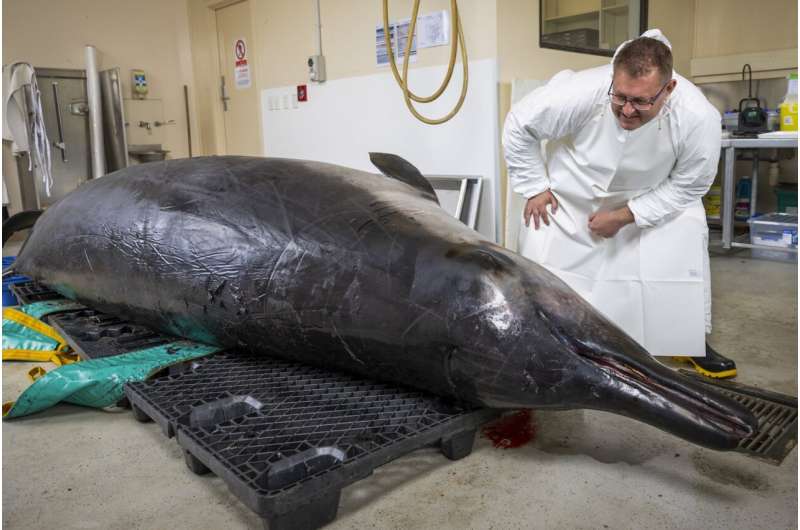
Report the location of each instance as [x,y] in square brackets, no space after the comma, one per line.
[401,169]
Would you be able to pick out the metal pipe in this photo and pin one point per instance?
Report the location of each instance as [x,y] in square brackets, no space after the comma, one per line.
[94,98]
[188,120]
[115,138]
[729,156]
[318,27]
[754,187]
[60,124]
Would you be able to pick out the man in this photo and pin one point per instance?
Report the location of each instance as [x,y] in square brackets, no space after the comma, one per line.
[616,210]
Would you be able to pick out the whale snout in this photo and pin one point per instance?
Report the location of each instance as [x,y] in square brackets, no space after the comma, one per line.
[650,392]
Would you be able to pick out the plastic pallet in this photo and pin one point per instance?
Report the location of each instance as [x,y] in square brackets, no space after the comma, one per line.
[90,333]
[93,334]
[287,437]
[776,413]
[29,292]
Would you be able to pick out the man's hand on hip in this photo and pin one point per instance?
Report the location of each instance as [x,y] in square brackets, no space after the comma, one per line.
[536,208]
[607,224]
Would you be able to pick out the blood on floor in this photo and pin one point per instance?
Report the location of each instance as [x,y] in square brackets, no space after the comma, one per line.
[512,430]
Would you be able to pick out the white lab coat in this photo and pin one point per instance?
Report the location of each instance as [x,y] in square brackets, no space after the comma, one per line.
[23,120]
[652,278]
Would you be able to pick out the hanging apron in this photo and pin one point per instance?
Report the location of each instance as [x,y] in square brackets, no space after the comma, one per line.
[650,281]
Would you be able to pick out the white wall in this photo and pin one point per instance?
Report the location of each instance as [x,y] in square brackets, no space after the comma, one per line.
[345,119]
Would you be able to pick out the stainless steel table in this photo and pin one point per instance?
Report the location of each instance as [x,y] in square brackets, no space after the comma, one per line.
[729,147]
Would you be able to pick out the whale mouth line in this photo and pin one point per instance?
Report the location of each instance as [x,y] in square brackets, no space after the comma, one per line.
[692,400]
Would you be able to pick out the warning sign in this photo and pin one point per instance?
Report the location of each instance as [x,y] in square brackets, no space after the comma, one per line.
[241,70]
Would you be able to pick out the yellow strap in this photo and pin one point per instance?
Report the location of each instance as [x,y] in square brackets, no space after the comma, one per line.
[37,356]
[35,373]
[8,405]
[15,315]
[65,358]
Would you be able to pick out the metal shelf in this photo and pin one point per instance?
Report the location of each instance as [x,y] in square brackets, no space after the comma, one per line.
[760,143]
[716,221]
[573,17]
[729,147]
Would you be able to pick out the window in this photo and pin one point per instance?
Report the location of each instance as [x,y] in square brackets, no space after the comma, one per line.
[590,26]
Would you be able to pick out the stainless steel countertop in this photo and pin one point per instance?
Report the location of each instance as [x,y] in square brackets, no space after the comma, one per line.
[764,143]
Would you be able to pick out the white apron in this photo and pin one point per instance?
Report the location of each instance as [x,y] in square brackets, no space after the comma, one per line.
[650,281]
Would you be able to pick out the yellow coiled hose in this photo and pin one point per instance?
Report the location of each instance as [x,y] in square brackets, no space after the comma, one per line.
[456,40]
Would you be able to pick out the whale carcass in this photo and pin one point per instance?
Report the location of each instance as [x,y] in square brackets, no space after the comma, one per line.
[356,271]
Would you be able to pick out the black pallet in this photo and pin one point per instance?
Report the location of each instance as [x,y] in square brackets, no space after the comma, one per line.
[29,292]
[287,437]
[93,334]
[776,413]
[90,333]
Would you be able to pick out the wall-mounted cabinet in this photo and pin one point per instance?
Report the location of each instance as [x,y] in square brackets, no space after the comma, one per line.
[590,26]
[730,33]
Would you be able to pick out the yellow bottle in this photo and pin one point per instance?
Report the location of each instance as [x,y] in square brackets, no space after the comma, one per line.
[788,108]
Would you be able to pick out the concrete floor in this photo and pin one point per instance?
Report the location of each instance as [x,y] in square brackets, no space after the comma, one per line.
[76,468]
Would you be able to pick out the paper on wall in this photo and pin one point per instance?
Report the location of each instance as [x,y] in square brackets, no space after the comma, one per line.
[433,29]
[398,44]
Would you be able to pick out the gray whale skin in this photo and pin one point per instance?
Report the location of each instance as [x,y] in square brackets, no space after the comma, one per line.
[355,271]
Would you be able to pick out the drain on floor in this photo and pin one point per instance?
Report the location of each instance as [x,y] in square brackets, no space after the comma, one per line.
[777,418]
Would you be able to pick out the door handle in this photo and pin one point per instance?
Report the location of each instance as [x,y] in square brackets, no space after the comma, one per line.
[224,97]
[60,143]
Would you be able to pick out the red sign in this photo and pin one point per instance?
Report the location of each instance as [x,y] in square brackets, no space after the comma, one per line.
[240,50]
[302,93]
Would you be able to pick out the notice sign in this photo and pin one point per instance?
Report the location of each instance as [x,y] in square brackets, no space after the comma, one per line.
[241,70]
[433,30]
[398,33]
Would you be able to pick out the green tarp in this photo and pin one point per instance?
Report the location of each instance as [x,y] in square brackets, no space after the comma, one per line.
[92,383]
[99,382]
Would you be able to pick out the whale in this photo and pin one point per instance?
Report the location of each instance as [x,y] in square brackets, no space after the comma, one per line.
[355,271]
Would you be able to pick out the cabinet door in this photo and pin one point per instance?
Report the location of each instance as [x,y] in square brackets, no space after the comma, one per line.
[729,27]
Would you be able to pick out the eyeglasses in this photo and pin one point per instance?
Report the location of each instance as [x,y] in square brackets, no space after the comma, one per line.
[637,103]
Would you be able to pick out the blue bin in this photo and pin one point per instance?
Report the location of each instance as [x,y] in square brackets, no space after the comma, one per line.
[8,297]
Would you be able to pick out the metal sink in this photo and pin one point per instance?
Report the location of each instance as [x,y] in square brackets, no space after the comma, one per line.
[147,152]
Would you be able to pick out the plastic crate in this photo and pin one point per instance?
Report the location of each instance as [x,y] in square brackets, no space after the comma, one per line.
[777,230]
[9,299]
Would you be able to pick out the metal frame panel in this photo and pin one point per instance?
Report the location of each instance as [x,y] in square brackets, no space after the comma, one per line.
[469,195]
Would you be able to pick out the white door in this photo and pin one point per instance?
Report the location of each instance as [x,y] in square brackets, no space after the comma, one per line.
[238,93]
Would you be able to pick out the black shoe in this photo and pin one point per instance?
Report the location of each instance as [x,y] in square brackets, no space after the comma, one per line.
[713,364]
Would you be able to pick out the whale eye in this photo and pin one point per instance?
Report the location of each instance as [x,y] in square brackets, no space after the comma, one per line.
[485,258]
